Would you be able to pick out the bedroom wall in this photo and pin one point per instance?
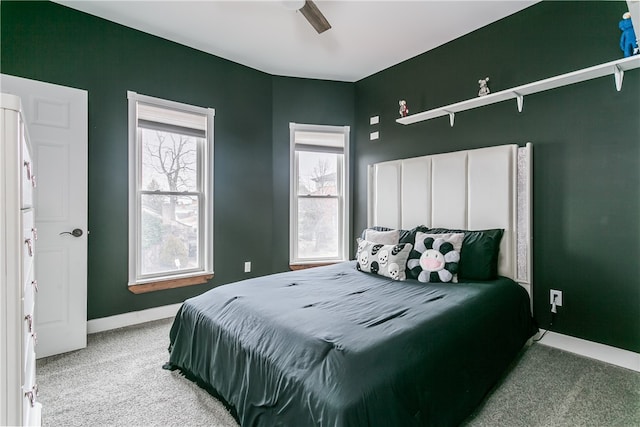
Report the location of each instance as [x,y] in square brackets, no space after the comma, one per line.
[303,101]
[586,150]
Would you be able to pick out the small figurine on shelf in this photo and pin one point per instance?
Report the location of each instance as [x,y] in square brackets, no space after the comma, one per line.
[628,42]
[484,87]
[404,110]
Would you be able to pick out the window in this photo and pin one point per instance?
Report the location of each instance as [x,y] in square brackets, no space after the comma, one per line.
[170,190]
[319,226]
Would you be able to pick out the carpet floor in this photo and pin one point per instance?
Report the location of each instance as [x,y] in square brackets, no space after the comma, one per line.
[118,380]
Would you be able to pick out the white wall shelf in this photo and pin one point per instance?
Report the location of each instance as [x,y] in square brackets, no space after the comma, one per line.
[615,68]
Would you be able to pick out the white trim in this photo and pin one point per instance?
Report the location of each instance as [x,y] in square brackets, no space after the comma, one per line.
[205,190]
[132,183]
[604,353]
[319,128]
[187,275]
[133,96]
[343,173]
[132,318]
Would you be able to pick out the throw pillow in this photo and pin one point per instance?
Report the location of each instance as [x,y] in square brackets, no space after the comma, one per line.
[405,236]
[389,237]
[480,252]
[435,257]
[386,260]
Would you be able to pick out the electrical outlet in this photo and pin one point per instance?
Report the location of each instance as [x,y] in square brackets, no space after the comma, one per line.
[558,295]
[247,266]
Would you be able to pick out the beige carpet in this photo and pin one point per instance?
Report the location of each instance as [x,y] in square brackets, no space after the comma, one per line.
[118,380]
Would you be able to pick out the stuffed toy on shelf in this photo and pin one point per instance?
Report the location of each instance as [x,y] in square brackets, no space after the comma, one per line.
[484,87]
[628,42]
[404,109]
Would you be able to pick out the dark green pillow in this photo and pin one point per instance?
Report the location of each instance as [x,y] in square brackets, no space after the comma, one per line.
[479,254]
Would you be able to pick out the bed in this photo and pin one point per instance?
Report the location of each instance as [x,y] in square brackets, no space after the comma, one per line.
[343,345]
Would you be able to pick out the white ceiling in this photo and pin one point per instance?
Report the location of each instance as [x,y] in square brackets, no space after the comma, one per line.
[366,36]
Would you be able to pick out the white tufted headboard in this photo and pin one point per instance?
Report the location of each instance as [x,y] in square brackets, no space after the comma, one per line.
[471,190]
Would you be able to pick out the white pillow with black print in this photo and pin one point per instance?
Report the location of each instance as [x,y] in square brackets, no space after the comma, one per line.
[435,257]
[390,237]
[385,260]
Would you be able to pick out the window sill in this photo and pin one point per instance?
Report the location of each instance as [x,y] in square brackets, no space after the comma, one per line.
[295,267]
[162,285]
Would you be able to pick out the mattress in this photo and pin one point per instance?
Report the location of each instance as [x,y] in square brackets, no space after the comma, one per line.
[333,346]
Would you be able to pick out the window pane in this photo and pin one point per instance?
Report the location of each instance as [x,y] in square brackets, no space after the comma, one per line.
[317,173]
[169,233]
[169,161]
[318,228]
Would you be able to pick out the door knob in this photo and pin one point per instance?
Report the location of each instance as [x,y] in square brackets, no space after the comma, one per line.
[75,233]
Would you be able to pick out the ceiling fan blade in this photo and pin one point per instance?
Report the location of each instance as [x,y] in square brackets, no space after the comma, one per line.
[315,17]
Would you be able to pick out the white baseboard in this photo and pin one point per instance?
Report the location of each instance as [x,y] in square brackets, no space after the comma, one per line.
[132,318]
[605,353]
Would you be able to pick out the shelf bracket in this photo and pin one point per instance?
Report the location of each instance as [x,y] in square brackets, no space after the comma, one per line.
[452,117]
[619,75]
[520,101]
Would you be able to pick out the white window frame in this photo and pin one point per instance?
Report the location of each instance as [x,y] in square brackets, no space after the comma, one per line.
[343,198]
[205,178]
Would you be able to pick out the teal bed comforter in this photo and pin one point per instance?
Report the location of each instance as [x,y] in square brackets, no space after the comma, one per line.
[333,346]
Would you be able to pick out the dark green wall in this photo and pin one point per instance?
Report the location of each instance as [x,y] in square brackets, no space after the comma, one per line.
[303,101]
[52,43]
[586,141]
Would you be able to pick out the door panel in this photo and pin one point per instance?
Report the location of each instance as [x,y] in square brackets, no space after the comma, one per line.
[57,124]
[53,194]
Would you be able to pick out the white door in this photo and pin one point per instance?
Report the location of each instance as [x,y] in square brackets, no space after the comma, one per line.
[57,119]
